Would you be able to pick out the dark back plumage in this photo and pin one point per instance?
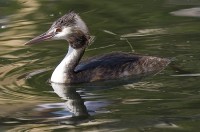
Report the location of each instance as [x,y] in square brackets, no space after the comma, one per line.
[116,65]
[107,61]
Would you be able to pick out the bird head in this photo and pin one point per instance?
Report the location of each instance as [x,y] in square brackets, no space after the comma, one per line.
[69,27]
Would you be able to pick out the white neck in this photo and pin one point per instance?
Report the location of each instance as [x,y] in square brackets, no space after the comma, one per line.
[62,71]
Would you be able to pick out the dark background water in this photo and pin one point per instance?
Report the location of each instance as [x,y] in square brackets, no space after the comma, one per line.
[168,101]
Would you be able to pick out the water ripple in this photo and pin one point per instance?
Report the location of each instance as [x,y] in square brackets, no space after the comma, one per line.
[191,12]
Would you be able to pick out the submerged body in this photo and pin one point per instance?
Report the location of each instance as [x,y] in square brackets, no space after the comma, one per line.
[117,65]
[70,27]
[109,66]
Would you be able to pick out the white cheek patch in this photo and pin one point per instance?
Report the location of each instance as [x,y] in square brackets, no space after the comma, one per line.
[63,34]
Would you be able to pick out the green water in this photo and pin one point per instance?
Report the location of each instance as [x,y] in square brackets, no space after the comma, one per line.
[168,101]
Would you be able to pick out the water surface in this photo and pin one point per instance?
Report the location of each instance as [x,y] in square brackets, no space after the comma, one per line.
[167,101]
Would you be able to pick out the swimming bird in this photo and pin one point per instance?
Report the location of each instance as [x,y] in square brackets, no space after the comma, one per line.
[73,29]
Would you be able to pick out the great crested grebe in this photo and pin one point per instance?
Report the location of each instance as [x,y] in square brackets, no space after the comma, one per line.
[72,28]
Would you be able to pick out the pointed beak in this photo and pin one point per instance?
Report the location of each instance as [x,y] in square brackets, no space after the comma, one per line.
[40,38]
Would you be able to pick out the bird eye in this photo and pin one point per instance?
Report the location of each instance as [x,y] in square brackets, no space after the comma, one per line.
[58,30]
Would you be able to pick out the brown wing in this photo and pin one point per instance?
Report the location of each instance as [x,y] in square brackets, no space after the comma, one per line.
[117,65]
[107,61]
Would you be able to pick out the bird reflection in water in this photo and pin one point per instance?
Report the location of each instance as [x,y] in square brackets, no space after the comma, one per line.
[74,103]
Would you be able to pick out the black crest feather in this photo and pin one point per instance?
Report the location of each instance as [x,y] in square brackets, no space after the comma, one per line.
[68,19]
